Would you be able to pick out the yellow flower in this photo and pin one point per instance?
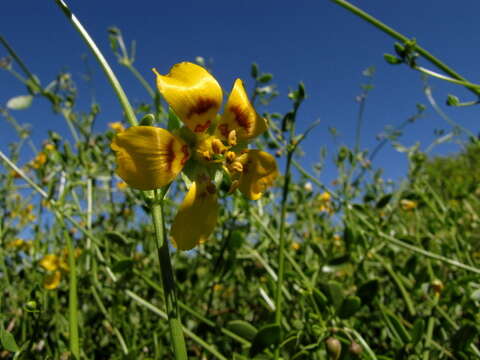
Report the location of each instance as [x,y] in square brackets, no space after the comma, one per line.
[39,160]
[408,205]
[52,280]
[149,157]
[55,265]
[122,185]
[19,245]
[116,126]
[325,197]
[49,147]
[325,203]
[296,246]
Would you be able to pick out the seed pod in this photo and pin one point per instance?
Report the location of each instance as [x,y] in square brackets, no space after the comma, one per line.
[334,348]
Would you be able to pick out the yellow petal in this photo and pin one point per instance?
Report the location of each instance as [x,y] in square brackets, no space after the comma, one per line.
[259,172]
[196,217]
[149,157]
[52,280]
[50,262]
[239,115]
[193,94]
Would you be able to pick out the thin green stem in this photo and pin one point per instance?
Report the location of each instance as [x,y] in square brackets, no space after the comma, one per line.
[20,63]
[72,298]
[174,322]
[190,333]
[122,97]
[281,247]
[395,34]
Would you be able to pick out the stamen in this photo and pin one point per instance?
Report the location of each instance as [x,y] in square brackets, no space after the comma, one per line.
[232,138]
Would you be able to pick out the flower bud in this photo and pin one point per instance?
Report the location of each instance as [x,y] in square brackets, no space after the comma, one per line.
[334,348]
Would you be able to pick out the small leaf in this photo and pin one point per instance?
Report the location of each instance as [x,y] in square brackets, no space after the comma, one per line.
[254,70]
[384,201]
[242,328]
[266,336]
[265,78]
[20,102]
[173,121]
[123,265]
[367,291]
[334,293]
[417,331]
[349,307]
[117,238]
[392,59]
[464,337]
[8,341]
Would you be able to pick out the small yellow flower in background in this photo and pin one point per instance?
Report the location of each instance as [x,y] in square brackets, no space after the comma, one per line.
[217,287]
[116,126]
[149,157]
[325,203]
[49,147]
[295,246]
[325,197]
[55,265]
[408,205]
[39,160]
[337,240]
[52,280]
[20,245]
[122,185]
[15,174]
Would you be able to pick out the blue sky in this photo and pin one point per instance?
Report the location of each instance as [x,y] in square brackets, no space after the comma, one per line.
[316,42]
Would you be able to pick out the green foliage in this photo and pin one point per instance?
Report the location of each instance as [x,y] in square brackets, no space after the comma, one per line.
[373,270]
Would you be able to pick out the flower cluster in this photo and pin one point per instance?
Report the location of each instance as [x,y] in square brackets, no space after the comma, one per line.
[149,157]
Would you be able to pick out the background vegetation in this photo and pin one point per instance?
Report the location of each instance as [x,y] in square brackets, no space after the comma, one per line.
[374,269]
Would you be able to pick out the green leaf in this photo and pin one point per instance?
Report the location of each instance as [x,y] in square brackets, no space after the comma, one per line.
[173,121]
[464,337]
[349,307]
[368,290]
[242,328]
[20,102]
[417,331]
[265,78]
[117,238]
[334,293]
[396,326]
[254,70]
[392,59]
[384,200]
[123,265]
[266,336]
[8,341]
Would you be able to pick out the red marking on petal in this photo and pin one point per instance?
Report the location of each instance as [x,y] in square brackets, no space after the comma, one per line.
[186,154]
[223,128]
[170,154]
[241,117]
[202,106]
[202,128]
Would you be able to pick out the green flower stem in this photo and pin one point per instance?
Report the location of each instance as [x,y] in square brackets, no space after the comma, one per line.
[122,97]
[20,63]
[174,322]
[395,34]
[191,334]
[72,297]
[194,313]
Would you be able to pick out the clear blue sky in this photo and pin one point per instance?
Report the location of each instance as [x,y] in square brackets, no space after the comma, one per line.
[316,42]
